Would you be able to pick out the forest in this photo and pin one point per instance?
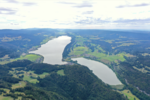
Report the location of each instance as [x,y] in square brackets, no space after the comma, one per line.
[125,52]
[77,83]
[15,42]
[23,76]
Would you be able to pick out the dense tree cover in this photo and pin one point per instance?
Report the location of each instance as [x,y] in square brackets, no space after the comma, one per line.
[78,83]
[135,80]
[14,42]
[19,63]
[69,47]
[135,77]
[115,42]
[39,68]
[139,38]
[140,61]
[138,93]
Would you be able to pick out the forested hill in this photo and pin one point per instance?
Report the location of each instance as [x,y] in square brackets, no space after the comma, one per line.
[27,80]
[15,42]
[127,53]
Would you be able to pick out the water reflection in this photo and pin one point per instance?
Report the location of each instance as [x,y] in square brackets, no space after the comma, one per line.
[53,49]
[100,70]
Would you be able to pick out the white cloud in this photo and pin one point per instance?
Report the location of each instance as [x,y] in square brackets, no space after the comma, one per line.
[74,14]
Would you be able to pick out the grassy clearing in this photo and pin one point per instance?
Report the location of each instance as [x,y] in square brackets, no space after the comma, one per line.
[109,41]
[29,76]
[126,44]
[43,75]
[47,39]
[31,57]
[4,62]
[118,87]
[19,85]
[85,51]
[6,90]
[79,50]
[129,94]
[61,72]
[5,98]
[143,70]
[114,57]
[97,54]
[5,57]
[145,54]
[98,47]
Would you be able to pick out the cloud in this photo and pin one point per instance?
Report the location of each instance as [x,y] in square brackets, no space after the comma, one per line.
[28,3]
[12,1]
[136,5]
[7,11]
[21,2]
[133,21]
[74,13]
[88,12]
[84,4]
[66,2]
[91,21]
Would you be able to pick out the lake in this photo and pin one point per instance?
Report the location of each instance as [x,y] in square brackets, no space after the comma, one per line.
[53,49]
[100,70]
[52,53]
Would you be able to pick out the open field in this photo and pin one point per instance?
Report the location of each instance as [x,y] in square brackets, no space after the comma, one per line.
[97,54]
[129,94]
[43,75]
[115,57]
[126,44]
[5,98]
[109,41]
[61,72]
[19,85]
[31,57]
[29,79]
[143,70]
[99,48]
[79,50]
[118,87]
[29,76]
[47,39]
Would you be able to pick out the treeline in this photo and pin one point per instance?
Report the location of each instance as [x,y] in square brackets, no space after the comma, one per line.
[137,80]
[14,46]
[69,47]
[78,83]
[139,39]
[134,80]
[139,61]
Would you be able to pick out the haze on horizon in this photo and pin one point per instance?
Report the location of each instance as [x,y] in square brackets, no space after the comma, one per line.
[75,14]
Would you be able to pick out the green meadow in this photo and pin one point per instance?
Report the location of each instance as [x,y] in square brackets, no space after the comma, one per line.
[31,57]
[129,95]
[61,72]
[29,76]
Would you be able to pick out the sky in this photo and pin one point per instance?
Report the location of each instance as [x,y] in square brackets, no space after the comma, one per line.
[75,14]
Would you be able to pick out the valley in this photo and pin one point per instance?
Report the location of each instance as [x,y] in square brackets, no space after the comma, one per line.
[125,53]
